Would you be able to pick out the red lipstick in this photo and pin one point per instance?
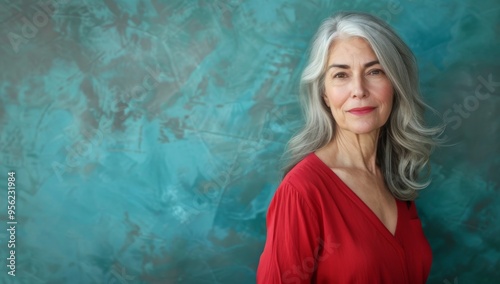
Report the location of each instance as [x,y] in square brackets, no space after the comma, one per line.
[361,110]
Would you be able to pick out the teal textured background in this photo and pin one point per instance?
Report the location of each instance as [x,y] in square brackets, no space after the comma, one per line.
[146,135]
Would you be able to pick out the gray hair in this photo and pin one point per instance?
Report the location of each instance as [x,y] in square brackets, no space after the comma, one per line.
[405,143]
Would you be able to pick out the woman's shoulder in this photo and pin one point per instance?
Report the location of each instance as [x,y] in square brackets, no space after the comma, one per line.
[309,181]
[309,176]
[304,171]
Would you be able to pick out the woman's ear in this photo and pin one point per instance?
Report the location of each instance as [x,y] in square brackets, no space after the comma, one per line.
[325,99]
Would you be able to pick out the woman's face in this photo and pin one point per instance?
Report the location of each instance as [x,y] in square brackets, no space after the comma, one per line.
[357,90]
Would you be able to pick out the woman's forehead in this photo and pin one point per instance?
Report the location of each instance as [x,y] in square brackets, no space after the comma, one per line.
[350,49]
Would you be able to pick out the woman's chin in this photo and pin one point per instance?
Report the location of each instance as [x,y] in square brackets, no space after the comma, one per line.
[363,129]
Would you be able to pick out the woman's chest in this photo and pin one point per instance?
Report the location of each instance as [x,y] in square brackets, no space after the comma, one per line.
[356,249]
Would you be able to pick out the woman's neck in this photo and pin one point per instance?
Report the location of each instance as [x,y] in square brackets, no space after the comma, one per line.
[356,151]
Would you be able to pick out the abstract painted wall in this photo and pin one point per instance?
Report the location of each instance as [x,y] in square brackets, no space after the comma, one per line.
[145,136]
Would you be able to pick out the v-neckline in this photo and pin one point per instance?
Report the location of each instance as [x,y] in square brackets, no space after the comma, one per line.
[362,205]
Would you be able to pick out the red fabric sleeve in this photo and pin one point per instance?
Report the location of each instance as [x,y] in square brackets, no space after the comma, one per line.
[292,239]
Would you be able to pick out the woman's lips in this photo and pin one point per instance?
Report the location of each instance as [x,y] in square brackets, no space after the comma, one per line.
[361,110]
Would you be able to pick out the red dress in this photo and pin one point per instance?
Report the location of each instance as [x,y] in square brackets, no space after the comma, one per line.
[320,231]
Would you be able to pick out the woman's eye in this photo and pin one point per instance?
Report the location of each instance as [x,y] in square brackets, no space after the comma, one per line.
[340,75]
[376,72]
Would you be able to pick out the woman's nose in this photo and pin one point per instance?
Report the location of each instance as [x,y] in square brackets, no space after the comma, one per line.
[358,87]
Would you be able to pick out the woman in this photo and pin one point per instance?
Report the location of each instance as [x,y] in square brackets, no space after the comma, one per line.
[344,212]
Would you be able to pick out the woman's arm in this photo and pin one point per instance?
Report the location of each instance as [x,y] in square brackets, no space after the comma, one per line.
[293,239]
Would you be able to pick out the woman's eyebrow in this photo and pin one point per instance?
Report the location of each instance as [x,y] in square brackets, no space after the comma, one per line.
[371,63]
[345,66]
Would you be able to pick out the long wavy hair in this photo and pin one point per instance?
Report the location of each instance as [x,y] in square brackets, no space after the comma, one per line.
[405,142]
